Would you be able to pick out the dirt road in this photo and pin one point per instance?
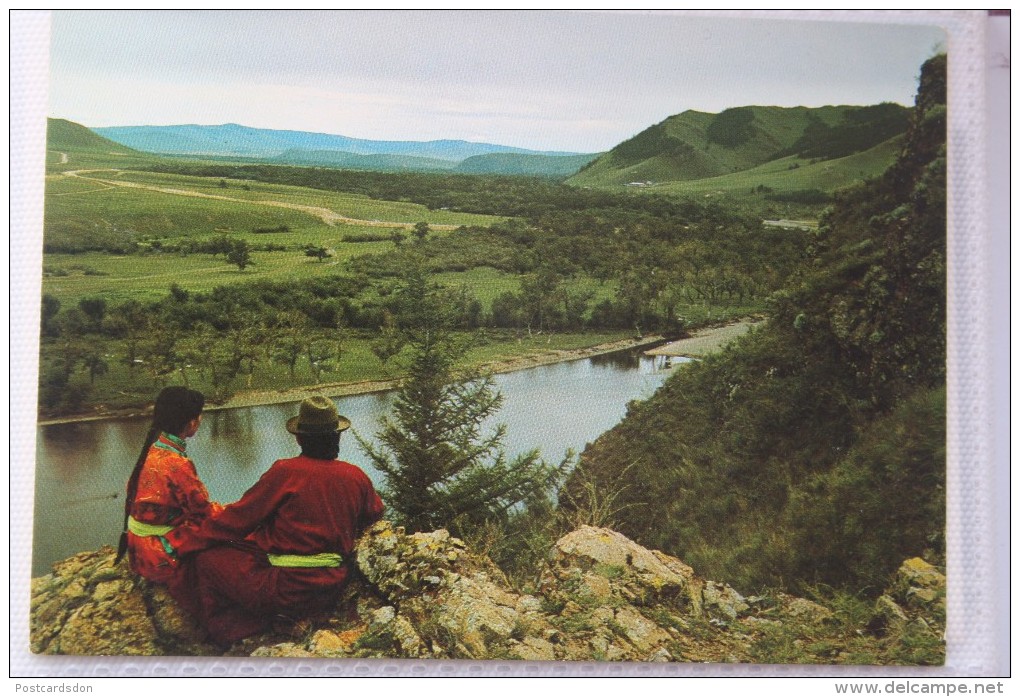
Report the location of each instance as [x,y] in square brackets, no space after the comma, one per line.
[326,215]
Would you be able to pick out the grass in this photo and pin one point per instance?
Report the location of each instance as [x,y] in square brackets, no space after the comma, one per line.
[486,284]
[155,214]
[78,208]
[350,205]
[846,639]
[82,158]
[148,277]
[248,208]
[791,174]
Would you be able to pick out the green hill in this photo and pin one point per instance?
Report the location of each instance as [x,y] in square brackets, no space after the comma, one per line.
[349,160]
[812,451]
[696,145]
[68,136]
[791,175]
[524,165]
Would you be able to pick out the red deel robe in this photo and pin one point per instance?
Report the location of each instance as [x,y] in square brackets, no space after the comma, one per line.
[169,493]
[299,506]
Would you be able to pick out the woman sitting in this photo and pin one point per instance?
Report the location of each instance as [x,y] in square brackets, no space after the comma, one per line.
[164,493]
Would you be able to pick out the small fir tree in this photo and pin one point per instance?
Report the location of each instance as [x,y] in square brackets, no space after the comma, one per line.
[441,468]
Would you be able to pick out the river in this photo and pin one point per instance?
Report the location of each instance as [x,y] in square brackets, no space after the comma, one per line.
[81,468]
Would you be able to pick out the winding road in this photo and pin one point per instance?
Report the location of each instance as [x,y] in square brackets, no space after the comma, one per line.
[327,215]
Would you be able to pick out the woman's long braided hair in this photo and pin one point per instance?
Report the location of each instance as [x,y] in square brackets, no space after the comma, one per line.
[174,408]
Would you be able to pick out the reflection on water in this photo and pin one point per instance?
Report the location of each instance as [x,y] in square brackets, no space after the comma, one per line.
[80,468]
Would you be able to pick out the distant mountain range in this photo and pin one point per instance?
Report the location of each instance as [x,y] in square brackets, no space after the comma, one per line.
[687,147]
[323,149]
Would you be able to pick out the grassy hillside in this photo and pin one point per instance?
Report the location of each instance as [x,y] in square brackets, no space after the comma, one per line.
[812,451]
[791,174]
[696,145]
[67,135]
[348,160]
[525,165]
[71,146]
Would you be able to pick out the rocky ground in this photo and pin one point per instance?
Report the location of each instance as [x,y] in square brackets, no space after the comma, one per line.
[600,597]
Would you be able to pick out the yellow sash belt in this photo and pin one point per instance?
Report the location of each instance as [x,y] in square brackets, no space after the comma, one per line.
[309,561]
[146,530]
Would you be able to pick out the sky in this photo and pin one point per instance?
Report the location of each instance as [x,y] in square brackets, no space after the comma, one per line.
[566,81]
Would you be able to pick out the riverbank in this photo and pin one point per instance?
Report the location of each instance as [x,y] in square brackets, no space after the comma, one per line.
[705,341]
[699,344]
[253,398]
[296,394]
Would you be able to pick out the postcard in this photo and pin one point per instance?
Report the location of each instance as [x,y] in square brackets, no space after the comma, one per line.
[551,343]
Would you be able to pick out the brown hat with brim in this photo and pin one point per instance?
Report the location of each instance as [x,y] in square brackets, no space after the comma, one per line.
[317,415]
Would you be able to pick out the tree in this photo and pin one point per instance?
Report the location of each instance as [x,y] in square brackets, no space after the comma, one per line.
[440,468]
[538,298]
[127,322]
[50,308]
[390,341]
[95,363]
[421,231]
[240,254]
[94,310]
[158,350]
[319,253]
[290,339]
[321,356]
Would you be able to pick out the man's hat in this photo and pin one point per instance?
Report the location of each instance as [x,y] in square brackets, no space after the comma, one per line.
[317,415]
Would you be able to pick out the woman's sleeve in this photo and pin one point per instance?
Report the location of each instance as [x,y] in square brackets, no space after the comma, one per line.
[191,494]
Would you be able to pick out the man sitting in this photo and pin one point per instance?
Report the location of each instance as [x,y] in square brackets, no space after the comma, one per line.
[285,547]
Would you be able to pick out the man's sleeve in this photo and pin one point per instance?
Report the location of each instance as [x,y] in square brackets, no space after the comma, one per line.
[236,520]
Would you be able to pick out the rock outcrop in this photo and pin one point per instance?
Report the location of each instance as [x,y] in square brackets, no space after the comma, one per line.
[601,596]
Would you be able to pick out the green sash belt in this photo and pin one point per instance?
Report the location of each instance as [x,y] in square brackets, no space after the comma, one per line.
[147,530]
[322,559]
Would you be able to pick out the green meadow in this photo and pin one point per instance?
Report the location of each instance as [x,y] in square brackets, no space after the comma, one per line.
[790,174]
[197,206]
[486,284]
[147,277]
[357,206]
[78,207]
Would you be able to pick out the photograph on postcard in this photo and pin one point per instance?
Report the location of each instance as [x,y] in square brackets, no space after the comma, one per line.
[541,336]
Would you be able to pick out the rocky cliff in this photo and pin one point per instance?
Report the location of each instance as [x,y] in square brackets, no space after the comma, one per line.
[600,597]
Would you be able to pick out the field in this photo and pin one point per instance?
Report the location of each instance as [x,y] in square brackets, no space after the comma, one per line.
[68,277]
[343,206]
[161,207]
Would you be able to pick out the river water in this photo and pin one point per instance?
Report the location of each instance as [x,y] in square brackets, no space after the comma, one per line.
[81,468]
